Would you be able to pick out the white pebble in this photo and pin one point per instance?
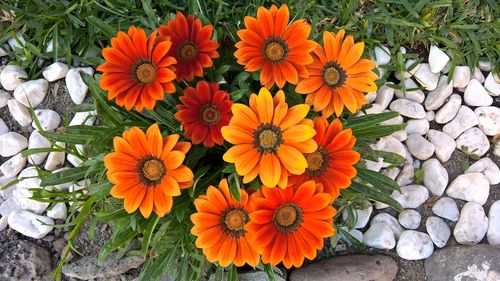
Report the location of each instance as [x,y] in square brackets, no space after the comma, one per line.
[446,208]
[55,160]
[6,193]
[390,144]
[484,65]
[59,211]
[4,97]
[465,119]
[414,245]
[436,98]
[493,234]
[437,59]
[472,224]
[411,196]
[29,224]
[371,96]
[379,236]
[408,108]
[382,55]
[492,84]
[385,95]
[55,71]
[31,93]
[13,166]
[435,176]
[478,75]
[8,206]
[362,216]
[406,175]
[391,172]
[473,141]
[409,219]
[87,117]
[488,119]
[449,110]
[49,119]
[438,231]
[471,187]
[4,222]
[411,92]
[476,95]
[461,76]
[38,141]
[419,147]
[417,126]
[22,196]
[488,168]
[426,78]
[11,76]
[12,143]
[19,112]
[74,82]
[391,221]
[3,127]
[430,116]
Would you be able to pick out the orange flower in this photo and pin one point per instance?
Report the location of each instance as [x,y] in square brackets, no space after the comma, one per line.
[332,163]
[279,49]
[219,226]
[289,224]
[203,112]
[191,45]
[138,70]
[338,76]
[269,139]
[147,170]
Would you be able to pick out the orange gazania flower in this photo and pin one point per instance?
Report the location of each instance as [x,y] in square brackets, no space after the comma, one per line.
[269,139]
[281,50]
[332,163]
[219,226]
[289,224]
[338,76]
[203,112]
[138,70]
[191,45]
[147,170]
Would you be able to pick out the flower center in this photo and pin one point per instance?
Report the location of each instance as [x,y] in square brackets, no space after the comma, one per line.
[288,217]
[151,170]
[233,221]
[187,51]
[333,75]
[267,138]
[145,72]
[275,50]
[317,162]
[209,114]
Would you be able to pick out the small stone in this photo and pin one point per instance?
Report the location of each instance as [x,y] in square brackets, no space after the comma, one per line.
[446,208]
[488,168]
[472,224]
[358,235]
[49,119]
[461,76]
[3,127]
[444,144]
[438,231]
[465,119]
[488,119]
[436,98]
[12,143]
[19,112]
[38,141]
[416,164]
[55,71]
[430,116]
[409,219]
[412,92]
[31,93]
[382,55]
[385,95]
[435,176]
[411,196]
[392,172]
[87,268]
[414,245]
[11,76]
[23,196]
[406,176]
[87,117]
[3,53]
[3,222]
[13,166]
[473,141]
[55,160]
[371,96]
[492,84]
[417,126]
[476,95]
[29,224]
[412,66]
[16,42]
[6,193]
[437,59]
[391,221]
[74,82]
[363,216]
[420,147]
[390,144]
[59,211]
[408,108]
[493,234]
[256,275]
[471,187]
[478,75]
[28,178]
[484,65]
[4,97]
[379,236]
[426,78]
[449,110]
[23,260]
[62,186]
[8,206]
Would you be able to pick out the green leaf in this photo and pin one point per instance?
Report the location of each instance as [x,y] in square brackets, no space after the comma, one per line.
[358,245]
[376,195]
[389,157]
[270,272]
[148,233]
[369,120]
[418,176]
[377,131]
[234,186]
[123,237]
[378,180]
[102,26]
[65,176]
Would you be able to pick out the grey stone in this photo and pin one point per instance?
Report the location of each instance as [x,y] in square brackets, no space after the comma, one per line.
[438,230]
[257,276]
[414,245]
[446,208]
[24,261]
[86,268]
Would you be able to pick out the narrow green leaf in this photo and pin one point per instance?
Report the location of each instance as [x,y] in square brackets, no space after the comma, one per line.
[148,233]
[102,26]
[376,195]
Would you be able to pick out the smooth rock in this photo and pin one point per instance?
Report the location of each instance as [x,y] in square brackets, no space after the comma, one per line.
[461,76]
[472,224]
[425,77]
[438,231]
[76,87]
[435,176]
[471,187]
[29,178]
[392,172]
[406,175]
[86,268]
[59,211]
[390,144]
[411,196]
[358,235]
[49,119]
[80,118]
[4,97]
[8,206]
[488,119]
[465,119]
[409,219]
[391,221]
[12,143]
[473,141]
[478,75]
[23,260]
[22,196]
[485,65]
[488,168]
[248,276]
[444,144]
[29,224]
[436,98]
[419,147]
[492,85]
[382,55]
[55,160]
[13,166]
[430,116]
[446,208]
[3,51]
[437,59]
[62,186]
[19,112]
[4,222]
[449,110]
[371,96]
[414,245]
[417,126]
[476,95]
[11,76]
[38,141]
[17,41]
[379,236]
[31,93]
[408,108]
[362,216]
[6,193]
[3,127]
[412,92]
[493,234]
[55,71]
[385,95]
[412,66]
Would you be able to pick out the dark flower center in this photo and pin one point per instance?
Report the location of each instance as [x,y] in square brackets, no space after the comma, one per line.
[187,51]
[267,138]
[209,114]
[287,217]
[333,75]
[233,221]
[275,50]
[144,72]
[317,162]
[151,170]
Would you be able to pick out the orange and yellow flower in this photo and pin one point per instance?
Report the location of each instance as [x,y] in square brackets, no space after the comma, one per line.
[269,139]
[338,76]
[138,70]
[146,170]
[203,112]
[219,227]
[287,225]
[280,49]
[332,163]
[192,46]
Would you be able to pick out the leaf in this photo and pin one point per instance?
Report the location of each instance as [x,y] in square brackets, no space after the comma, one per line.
[376,195]
[418,176]
[123,237]
[65,176]
[369,120]
[234,186]
[270,272]
[148,233]
[102,26]
[352,240]
[389,157]
[378,180]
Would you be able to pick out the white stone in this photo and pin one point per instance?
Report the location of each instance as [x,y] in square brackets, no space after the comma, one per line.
[488,168]
[465,119]
[390,144]
[419,147]
[392,172]
[493,234]
[55,160]
[414,245]
[74,82]
[473,141]
[4,222]
[436,98]
[87,117]
[371,96]
[476,95]
[385,95]
[6,193]
[8,206]
[3,127]
[411,92]
[461,76]
[19,112]
[31,93]
[379,236]
[74,160]
[492,84]
[438,230]
[472,224]
[12,143]
[409,219]
[49,119]
[391,221]
[4,97]
[382,55]
[62,186]
[488,119]
[471,187]
[416,164]
[362,216]
[478,75]
[411,196]
[426,78]
[55,71]
[408,108]
[484,65]
[437,59]
[28,178]
[3,51]
[22,196]
[358,235]
[435,176]
[417,126]
[13,166]
[411,66]
[449,110]
[446,208]
[17,42]
[430,116]
[11,76]
[29,224]
[38,141]
[445,145]
[406,175]
[59,211]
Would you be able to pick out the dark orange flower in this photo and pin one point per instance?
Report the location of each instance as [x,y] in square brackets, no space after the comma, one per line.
[269,139]
[338,76]
[146,170]
[332,163]
[191,45]
[289,224]
[138,71]
[203,112]
[280,49]
[219,226]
